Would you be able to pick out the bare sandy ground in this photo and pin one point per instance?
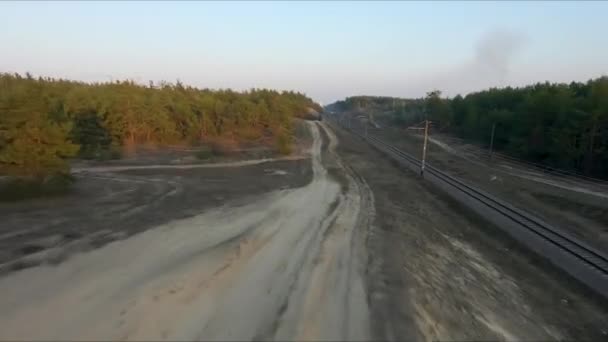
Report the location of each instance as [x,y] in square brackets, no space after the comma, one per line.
[437,272]
[104,206]
[285,266]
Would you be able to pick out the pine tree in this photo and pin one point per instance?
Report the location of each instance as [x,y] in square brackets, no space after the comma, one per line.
[34,146]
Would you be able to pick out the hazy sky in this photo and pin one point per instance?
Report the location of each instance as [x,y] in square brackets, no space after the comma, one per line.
[328,50]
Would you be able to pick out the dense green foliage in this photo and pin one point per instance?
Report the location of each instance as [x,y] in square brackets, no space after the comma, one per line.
[402,112]
[43,121]
[377,104]
[561,125]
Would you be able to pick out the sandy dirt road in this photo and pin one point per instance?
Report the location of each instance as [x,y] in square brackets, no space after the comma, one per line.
[286,266]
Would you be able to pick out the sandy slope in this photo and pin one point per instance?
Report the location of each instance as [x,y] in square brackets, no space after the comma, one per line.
[287,266]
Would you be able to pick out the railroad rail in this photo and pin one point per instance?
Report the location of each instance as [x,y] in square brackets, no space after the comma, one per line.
[483,154]
[577,258]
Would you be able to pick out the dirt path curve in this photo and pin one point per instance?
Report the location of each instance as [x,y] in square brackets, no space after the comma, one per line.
[240,163]
[287,266]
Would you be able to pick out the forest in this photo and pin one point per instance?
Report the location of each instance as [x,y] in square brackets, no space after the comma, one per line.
[45,121]
[560,125]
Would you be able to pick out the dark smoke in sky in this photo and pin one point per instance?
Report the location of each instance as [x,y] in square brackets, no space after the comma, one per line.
[490,65]
[495,52]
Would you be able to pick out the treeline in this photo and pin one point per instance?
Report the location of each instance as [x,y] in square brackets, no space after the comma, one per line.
[43,121]
[402,112]
[376,104]
[561,125]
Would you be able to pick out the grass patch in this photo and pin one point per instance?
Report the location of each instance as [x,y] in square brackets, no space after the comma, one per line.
[16,189]
[100,154]
[204,154]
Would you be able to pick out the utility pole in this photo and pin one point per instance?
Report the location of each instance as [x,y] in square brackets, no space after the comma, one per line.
[492,140]
[426,137]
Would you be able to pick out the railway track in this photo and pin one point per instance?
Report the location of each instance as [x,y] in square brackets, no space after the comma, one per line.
[581,261]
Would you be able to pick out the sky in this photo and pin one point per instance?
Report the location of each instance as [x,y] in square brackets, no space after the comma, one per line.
[328,50]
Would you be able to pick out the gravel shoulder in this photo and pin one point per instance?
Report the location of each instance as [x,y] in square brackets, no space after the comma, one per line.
[437,272]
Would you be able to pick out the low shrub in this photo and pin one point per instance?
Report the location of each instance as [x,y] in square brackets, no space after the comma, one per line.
[283,142]
[204,154]
[223,146]
[101,153]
